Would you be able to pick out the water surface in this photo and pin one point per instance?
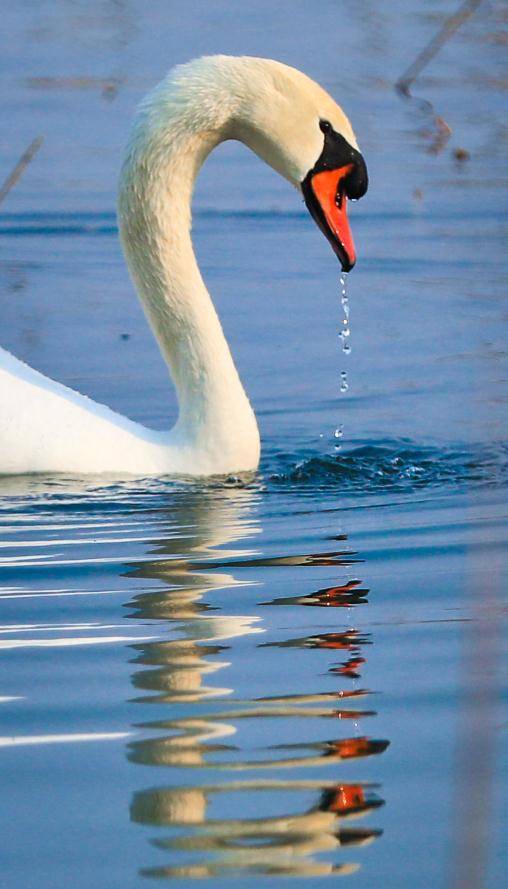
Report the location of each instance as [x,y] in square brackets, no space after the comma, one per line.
[298,674]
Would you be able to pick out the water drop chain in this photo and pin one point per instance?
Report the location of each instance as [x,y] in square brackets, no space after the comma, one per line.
[344,334]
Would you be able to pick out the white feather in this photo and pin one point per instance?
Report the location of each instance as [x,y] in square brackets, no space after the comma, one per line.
[46,427]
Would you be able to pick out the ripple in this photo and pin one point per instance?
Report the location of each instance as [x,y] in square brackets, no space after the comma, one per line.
[280,704]
[399,466]
[387,466]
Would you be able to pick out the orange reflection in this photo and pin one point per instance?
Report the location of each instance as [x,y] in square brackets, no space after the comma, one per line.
[199,731]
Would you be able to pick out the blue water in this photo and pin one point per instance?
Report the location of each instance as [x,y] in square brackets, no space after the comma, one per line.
[162,715]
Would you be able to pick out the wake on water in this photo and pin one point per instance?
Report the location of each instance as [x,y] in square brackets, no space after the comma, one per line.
[400,466]
[385,467]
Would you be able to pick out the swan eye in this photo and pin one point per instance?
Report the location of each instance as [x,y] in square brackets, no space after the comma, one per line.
[325,126]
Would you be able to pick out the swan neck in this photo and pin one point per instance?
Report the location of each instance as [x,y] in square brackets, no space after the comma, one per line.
[155,221]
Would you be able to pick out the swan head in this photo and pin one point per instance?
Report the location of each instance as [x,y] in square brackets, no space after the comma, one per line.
[286,118]
[298,128]
[339,174]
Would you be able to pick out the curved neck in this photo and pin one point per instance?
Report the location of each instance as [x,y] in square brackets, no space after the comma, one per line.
[155,220]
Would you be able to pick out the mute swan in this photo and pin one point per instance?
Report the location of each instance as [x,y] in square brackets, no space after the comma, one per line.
[295,127]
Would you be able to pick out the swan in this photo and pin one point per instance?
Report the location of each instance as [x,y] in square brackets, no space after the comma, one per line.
[294,126]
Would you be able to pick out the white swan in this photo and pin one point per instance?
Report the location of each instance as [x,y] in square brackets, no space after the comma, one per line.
[297,128]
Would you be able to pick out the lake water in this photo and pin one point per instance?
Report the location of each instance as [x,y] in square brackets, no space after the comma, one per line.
[299,674]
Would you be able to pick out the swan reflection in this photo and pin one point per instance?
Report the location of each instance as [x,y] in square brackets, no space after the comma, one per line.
[267,825]
[270,845]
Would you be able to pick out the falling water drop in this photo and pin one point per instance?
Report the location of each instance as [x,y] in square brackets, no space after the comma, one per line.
[338,434]
[344,385]
[343,294]
[344,332]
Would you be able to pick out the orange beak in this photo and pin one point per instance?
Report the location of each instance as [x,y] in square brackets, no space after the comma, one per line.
[326,199]
[327,188]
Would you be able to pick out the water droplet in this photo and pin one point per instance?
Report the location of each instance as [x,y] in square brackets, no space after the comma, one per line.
[344,334]
[345,331]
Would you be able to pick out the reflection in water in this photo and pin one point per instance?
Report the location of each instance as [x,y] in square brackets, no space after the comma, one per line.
[235,825]
[343,596]
[283,845]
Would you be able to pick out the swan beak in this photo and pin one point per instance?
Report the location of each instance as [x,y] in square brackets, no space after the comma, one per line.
[326,201]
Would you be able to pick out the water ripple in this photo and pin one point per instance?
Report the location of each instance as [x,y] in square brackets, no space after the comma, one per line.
[397,466]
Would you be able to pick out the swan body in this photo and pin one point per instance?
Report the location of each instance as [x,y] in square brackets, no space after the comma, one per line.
[280,114]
